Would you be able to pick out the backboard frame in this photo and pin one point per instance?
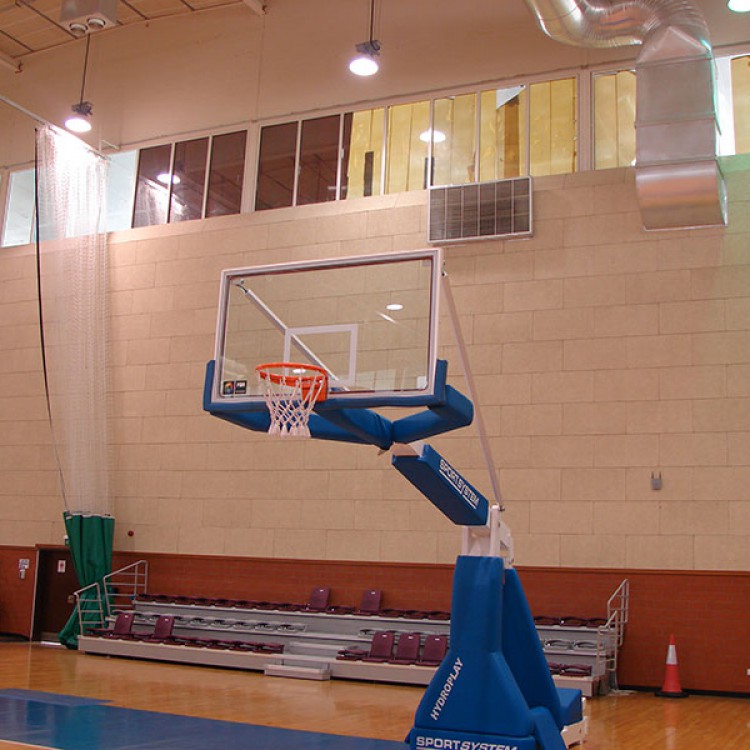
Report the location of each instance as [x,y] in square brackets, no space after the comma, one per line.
[432,392]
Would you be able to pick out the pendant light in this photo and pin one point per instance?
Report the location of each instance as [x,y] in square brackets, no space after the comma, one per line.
[365,63]
[80,120]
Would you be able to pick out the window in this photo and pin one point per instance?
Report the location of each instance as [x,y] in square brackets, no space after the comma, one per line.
[318,160]
[152,186]
[121,178]
[364,153]
[741,102]
[171,184]
[19,215]
[480,136]
[188,180]
[552,127]
[454,140]
[406,147]
[227,173]
[502,133]
[276,166]
[614,119]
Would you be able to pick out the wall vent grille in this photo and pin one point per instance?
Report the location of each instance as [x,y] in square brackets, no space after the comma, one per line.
[479,211]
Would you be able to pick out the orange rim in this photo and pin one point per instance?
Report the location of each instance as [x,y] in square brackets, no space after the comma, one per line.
[306,382]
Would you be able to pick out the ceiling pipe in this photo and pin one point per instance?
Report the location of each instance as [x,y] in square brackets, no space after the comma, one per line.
[678,179]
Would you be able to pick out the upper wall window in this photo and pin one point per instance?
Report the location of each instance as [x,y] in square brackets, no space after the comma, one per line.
[226,174]
[741,103]
[365,153]
[319,160]
[188,180]
[406,147]
[614,119]
[454,140]
[552,127]
[19,214]
[152,186]
[315,151]
[502,134]
[276,166]
[121,180]
[175,182]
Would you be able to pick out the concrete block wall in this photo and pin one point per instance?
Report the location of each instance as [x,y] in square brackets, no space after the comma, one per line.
[602,354]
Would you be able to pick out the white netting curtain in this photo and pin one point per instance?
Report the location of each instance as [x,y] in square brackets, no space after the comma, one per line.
[74,295]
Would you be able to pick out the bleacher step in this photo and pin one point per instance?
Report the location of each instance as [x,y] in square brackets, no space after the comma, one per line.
[297,671]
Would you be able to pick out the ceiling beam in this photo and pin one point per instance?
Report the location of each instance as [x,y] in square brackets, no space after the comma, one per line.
[8,62]
[256,6]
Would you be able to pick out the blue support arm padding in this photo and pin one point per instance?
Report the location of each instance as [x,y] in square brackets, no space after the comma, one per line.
[444,487]
[364,424]
[455,412]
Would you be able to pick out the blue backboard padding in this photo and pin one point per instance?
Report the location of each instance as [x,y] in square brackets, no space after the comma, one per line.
[444,487]
[455,412]
[347,420]
[82,726]
[473,690]
[260,422]
[436,396]
[524,653]
[547,734]
[572,705]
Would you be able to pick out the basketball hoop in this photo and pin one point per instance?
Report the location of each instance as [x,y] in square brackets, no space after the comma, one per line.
[291,390]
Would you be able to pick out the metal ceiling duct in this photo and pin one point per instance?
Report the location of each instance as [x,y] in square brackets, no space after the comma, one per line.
[678,178]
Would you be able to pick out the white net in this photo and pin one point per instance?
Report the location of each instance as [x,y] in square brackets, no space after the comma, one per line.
[74,295]
[290,392]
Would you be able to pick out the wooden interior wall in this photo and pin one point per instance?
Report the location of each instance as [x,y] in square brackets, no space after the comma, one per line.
[708,612]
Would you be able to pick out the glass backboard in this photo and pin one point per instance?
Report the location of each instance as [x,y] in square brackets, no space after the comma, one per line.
[370,321]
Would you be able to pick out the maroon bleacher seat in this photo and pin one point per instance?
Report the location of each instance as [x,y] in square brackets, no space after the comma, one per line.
[391,613]
[407,649]
[435,647]
[240,603]
[370,604]
[438,615]
[162,630]
[381,649]
[269,648]
[351,654]
[122,628]
[319,597]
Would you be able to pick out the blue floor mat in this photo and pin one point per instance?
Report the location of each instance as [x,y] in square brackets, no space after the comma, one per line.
[71,723]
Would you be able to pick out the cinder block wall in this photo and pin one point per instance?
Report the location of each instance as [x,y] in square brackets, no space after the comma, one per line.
[602,354]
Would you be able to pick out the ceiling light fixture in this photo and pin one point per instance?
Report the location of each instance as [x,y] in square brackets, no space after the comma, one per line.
[79,121]
[365,63]
[394,306]
[739,6]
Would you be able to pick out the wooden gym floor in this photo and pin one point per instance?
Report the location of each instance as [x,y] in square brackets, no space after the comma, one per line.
[633,721]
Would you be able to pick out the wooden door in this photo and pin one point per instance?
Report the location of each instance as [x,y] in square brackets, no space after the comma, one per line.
[55,583]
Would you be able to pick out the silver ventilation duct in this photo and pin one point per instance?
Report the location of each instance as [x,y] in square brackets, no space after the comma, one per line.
[678,179]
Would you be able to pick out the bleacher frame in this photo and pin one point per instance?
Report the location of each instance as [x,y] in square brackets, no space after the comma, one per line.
[312,639]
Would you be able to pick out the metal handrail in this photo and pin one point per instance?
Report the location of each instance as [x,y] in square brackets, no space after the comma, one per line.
[90,604]
[123,586]
[618,604]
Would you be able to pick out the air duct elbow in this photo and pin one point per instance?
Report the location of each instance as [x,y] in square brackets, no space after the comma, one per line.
[678,179]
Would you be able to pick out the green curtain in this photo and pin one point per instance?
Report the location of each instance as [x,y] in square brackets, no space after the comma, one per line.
[90,540]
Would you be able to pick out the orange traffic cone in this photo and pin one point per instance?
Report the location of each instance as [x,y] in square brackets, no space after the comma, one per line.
[671,687]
